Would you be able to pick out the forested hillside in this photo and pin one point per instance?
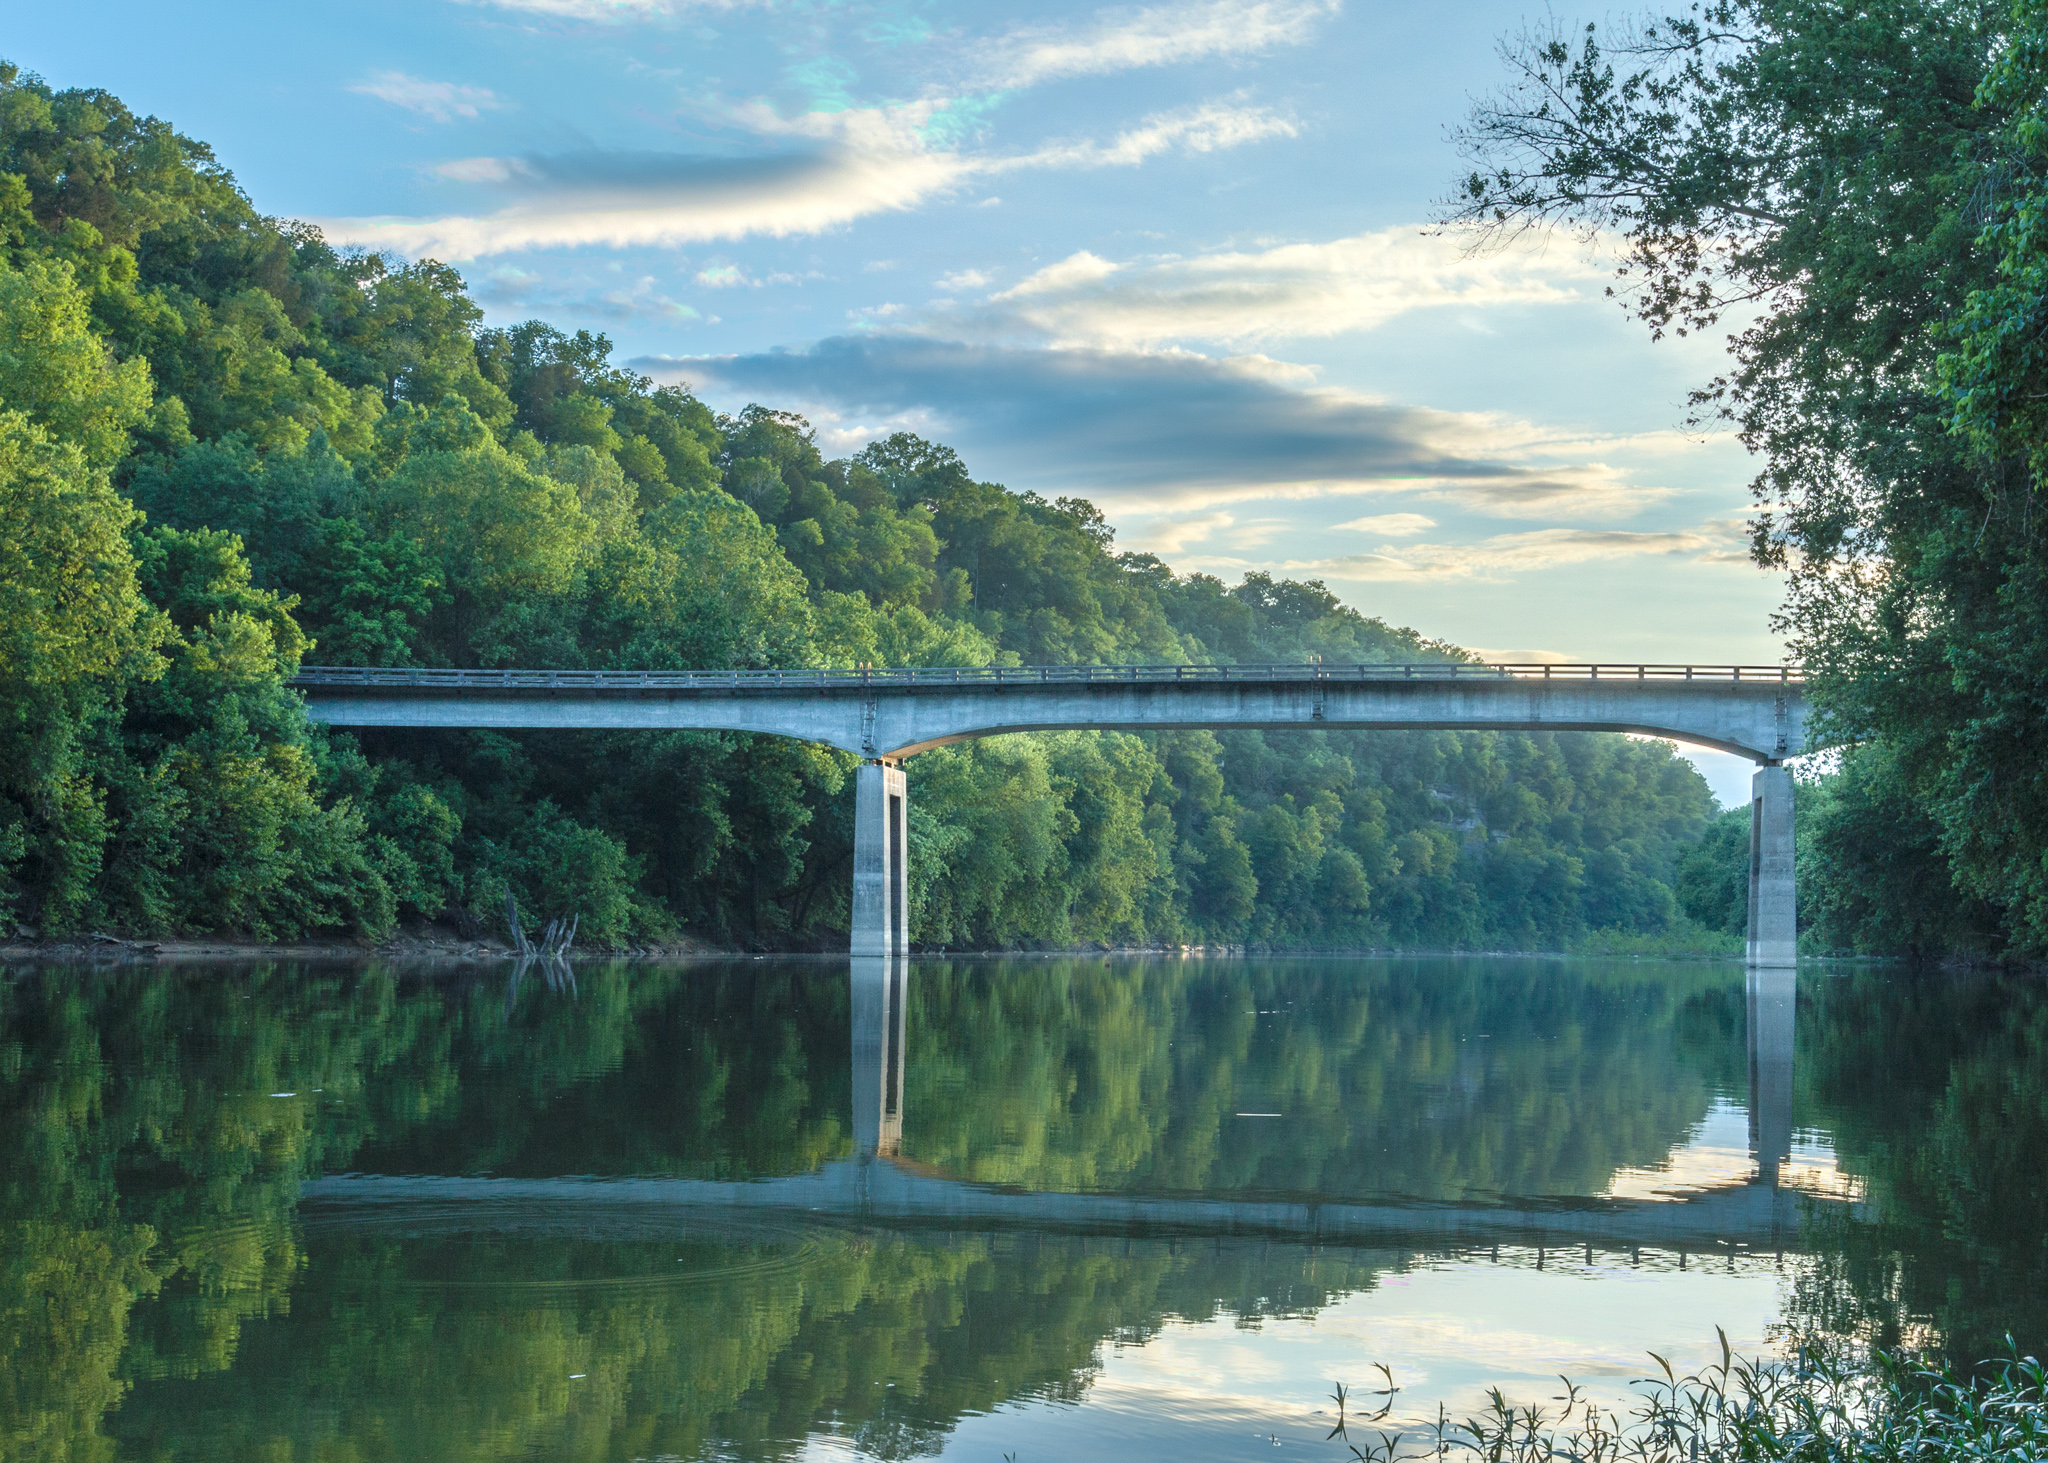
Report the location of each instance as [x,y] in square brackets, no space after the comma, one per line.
[227,447]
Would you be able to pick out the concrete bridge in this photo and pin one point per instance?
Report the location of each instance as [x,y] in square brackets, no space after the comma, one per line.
[883,717]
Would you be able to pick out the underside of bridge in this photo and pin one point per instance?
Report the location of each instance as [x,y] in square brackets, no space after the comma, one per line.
[886,716]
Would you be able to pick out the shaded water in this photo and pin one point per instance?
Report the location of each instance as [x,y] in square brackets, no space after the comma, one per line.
[1066,1208]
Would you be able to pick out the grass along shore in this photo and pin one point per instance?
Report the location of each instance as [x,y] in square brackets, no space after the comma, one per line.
[1820,1406]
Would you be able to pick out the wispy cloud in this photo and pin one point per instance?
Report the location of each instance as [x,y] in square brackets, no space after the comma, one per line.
[619,299]
[440,101]
[1170,432]
[1391,525]
[864,162]
[1517,655]
[1508,555]
[1289,291]
[606,11]
[1208,128]
[832,168]
[1154,36]
[1171,536]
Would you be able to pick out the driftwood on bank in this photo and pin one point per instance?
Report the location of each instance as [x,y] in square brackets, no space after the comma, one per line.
[518,931]
[550,952]
[555,941]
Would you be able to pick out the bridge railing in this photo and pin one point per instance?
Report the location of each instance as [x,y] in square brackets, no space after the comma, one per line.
[334,678]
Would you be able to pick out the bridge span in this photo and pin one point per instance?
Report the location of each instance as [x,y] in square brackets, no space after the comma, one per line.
[885,716]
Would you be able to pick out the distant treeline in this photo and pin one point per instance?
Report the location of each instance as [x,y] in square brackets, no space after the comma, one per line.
[227,446]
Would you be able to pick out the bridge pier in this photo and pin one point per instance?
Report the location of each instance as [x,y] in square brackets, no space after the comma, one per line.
[880,990]
[1773,892]
[881,862]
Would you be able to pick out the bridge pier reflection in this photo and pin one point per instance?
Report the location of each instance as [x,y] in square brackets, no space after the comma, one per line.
[1773,1004]
[881,990]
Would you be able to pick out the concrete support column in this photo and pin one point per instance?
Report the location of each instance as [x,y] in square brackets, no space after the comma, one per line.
[880,991]
[1773,896]
[881,862]
[1773,1004]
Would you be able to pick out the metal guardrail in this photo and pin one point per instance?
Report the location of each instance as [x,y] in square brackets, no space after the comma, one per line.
[342,678]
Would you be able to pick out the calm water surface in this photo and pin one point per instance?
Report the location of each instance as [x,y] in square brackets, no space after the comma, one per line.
[1069,1208]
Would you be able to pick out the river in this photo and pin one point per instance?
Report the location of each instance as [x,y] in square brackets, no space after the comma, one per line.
[1073,1208]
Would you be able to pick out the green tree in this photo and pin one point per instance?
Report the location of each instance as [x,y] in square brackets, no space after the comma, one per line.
[1861,185]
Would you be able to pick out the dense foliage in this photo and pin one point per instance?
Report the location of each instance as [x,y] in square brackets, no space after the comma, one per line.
[1859,190]
[227,446]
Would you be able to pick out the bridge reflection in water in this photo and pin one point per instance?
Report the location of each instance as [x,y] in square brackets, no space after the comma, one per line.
[1761,1214]
[881,1021]
[878,1185]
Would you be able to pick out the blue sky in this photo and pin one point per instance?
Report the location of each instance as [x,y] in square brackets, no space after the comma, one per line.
[1171,257]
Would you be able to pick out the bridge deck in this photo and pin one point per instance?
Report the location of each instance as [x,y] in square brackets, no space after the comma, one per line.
[1756,711]
[332,678]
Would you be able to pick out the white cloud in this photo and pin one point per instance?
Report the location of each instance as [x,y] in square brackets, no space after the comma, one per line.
[1207,128]
[841,166]
[641,299]
[965,279]
[1155,36]
[1519,656]
[1505,556]
[1170,537]
[476,170]
[1391,525]
[722,277]
[857,163]
[605,11]
[1512,489]
[441,101]
[1292,290]
[1076,271]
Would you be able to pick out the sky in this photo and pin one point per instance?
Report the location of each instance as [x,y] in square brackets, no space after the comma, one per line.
[1176,258]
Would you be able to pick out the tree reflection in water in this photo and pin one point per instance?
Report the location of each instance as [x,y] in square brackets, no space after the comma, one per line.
[165,1291]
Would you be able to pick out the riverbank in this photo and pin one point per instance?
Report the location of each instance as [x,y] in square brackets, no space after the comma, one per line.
[103,947]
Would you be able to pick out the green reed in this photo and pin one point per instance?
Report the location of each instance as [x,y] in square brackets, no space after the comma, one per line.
[1821,1406]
